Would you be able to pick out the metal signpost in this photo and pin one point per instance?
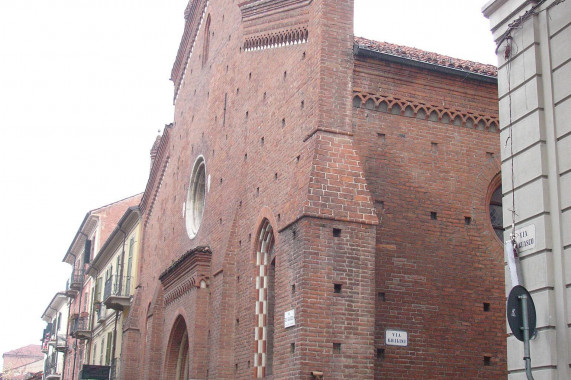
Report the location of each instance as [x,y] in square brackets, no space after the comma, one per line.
[522,320]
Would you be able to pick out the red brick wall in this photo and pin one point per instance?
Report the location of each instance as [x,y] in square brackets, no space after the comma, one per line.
[433,276]
[281,141]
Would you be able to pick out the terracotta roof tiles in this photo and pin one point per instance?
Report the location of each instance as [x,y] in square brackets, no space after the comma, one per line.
[33,350]
[427,57]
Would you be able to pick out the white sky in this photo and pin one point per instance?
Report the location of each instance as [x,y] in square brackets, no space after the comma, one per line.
[83,91]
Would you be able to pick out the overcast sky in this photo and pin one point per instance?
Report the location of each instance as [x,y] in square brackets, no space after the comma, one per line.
[84,88]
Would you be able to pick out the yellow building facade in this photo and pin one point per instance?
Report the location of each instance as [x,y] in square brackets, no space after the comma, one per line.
[114,273]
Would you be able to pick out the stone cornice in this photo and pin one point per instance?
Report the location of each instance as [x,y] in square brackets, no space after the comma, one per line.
[54,306]
[87,228]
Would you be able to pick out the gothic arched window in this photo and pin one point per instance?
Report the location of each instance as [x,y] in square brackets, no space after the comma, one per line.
[265,302]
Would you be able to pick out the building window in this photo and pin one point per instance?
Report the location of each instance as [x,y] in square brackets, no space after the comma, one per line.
[108,357]
[496,216]
[101,351]
[206,46]
[195,198]
[129,267]
[265,302]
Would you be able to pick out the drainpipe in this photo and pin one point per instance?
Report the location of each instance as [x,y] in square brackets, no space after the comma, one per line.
[113,350]
[113,361]
[92,317]
[122,259]
[79,311]
[67,330]
[75,343]
[66,335]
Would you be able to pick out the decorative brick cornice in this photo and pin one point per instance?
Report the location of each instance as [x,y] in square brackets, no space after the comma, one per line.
[277,39]
[194,15]
[186,273]
[160,164]
[260,8]
[180,290]
[194,253]
[423,111]
[274,23]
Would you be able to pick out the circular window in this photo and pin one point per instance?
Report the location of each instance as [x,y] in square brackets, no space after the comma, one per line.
[496,216]
[195,198]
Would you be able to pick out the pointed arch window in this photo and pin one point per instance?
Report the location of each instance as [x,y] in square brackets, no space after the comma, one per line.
[265,302]
[496,216]
[206,46]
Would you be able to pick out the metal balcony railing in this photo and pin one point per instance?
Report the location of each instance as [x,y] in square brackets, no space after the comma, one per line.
[61,345]
[101,312]
[80,328]
[76,280]
[117,286]
[51,364]
[116,294]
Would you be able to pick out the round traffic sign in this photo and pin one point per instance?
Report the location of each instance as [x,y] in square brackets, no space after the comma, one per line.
[515,315]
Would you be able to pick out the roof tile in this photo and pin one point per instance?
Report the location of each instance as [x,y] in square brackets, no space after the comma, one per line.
[427,57]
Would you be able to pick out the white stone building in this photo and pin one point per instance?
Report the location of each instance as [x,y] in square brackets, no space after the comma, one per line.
[534,84]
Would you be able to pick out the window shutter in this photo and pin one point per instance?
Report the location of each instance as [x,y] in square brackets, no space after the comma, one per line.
[129,267]
[87,252]
[101,351]
[108,351]
[98,289]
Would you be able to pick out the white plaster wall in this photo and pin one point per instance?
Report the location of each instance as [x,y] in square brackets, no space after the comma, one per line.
[535,102]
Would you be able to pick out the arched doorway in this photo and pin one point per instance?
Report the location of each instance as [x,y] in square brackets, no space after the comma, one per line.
[177,361]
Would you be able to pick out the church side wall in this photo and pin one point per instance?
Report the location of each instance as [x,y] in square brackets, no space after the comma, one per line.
[439,264]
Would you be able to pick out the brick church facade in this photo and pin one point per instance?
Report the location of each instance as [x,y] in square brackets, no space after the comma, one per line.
[315,192]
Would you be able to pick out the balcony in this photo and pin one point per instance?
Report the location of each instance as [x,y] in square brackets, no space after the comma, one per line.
[51,367]
[75,283]
[80,328]
[76,280]
[61,344]
[45,348]
[116,293]
[47,338]
[100,312]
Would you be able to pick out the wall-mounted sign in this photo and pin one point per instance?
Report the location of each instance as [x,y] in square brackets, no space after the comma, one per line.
[289,318]
[525,238]
[396,338]
[95,372]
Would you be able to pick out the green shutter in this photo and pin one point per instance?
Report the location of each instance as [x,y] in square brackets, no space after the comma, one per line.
[108,351]
[129,267]
[98,289]
[101,351]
